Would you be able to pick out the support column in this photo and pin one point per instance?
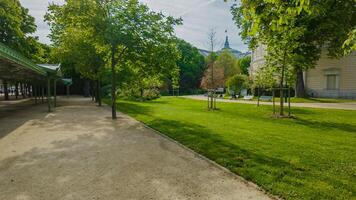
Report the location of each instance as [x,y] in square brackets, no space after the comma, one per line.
[17,90]
[22,90]
[68,91]
[6,91]
[42,95]
[55,92]
[35,92]
[49,94]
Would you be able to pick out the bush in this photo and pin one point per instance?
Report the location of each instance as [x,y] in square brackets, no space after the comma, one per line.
[236,83]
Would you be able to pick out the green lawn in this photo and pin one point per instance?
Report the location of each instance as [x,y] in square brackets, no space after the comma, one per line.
[319,100]
[310,157]
[311,100]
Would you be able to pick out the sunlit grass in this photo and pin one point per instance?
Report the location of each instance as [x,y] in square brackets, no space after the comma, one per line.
[310,157]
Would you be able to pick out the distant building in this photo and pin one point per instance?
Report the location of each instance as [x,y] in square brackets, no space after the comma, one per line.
[331,78]
[236,53]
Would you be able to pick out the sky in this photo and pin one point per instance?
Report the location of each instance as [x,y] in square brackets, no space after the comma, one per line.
[199,17]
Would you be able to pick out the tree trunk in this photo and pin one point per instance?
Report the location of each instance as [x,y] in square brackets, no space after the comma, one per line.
[92,91]
[86,89]
[17,91]
[113,84]
[98,92]
[281,109]
[141,93]
[300,87]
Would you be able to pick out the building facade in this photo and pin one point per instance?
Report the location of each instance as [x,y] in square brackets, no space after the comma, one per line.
[330,78]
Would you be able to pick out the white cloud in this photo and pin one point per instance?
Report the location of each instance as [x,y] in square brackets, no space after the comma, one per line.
[199,16]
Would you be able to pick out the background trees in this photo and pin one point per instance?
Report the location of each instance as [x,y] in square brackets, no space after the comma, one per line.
[226,65]
[191,65]
[244,64]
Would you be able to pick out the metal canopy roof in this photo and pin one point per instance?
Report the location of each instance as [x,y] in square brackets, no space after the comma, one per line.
[14,66]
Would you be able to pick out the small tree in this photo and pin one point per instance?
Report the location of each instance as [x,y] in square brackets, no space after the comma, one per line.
[236,83]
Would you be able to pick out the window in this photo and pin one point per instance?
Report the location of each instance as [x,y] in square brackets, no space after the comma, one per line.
[331,82]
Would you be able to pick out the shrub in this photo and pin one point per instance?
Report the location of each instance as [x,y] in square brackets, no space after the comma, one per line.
[236,83]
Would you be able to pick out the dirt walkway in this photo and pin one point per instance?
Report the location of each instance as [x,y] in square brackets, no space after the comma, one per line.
[78,152]
[339,106]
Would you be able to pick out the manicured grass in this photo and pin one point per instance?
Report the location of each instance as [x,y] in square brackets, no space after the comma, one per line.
[318,100]
[308,100]
[310,157]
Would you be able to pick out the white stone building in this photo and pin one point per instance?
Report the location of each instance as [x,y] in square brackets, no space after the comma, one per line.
[330,78]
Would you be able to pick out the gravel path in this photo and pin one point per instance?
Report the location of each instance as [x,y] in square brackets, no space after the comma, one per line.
[79,153]
[339,106]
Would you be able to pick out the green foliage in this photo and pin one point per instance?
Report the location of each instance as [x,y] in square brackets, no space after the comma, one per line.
[16,27]
[350,43]
[229,63]
[77,47]
[220,67]
[295,32]
[15,24]
[244,64]
[136,44]
[191,65]
[236,83]
[264,78]
[310,157]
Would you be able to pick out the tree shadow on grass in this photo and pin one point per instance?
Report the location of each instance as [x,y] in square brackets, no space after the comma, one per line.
[323,125]
[134,108]
[265,170]
[244,162]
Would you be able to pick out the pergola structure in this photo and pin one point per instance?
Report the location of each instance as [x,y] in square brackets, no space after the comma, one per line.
[34,80]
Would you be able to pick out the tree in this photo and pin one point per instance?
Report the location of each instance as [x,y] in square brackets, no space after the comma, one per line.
[16,27]
[125,34]
[295,31]
[315,24]
[15,24]
[236,83]
[191,65]
[219,78]
[134,32]
[229,63]
[225,66]
[264,78]
[244,64]
[76,47]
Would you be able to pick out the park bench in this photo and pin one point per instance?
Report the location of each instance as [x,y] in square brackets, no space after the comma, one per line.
[248,97]
[266,98]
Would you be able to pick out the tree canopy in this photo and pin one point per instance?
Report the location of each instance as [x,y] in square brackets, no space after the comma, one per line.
[295,32]
[220,67]
[125,37]
[244,64]
[191,65]
[16,27]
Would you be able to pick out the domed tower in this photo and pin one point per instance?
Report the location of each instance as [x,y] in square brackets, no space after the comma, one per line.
[227,43]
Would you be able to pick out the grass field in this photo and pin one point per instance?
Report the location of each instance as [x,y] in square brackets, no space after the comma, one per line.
[309,100]
[310,157]
[318,100]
